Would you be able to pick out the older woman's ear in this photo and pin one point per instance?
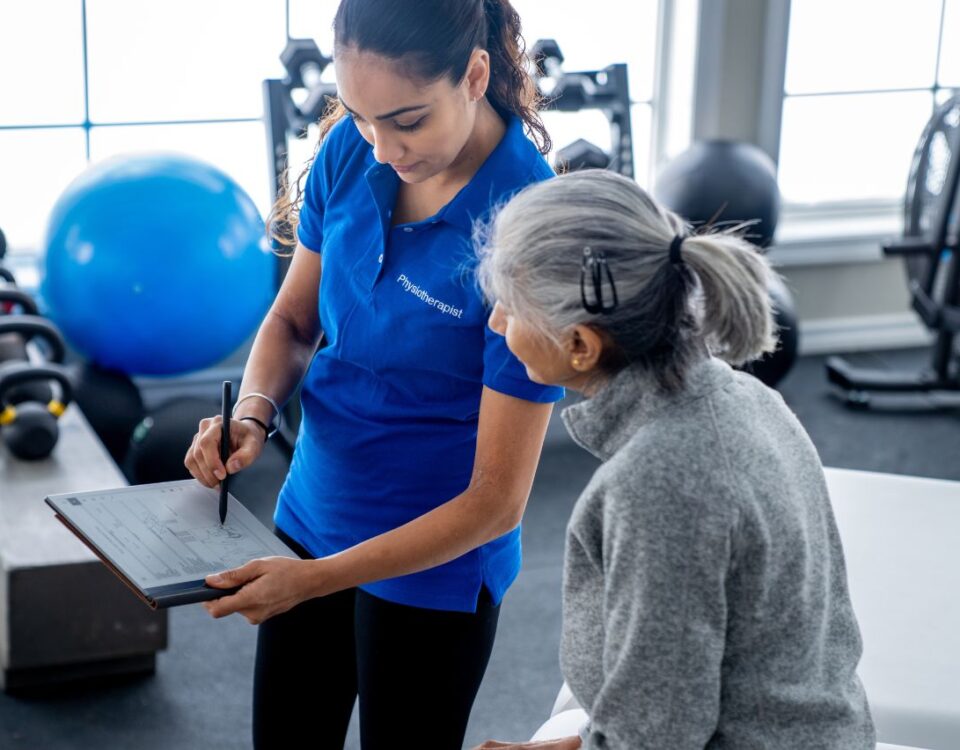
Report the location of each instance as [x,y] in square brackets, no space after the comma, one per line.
[585,347]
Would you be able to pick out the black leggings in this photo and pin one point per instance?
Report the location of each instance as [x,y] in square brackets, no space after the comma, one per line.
[417,672]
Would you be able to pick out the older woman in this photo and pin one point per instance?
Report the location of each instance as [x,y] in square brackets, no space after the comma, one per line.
[705,595]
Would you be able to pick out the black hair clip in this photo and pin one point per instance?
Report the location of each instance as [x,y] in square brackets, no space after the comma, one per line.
[596,265]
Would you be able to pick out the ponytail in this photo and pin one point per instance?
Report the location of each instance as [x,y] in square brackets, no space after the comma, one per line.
[285,213]
[512,90]
[734,278]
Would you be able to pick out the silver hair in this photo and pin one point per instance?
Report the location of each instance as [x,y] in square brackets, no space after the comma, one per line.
[530,261]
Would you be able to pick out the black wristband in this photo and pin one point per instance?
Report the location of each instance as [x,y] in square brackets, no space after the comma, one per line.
[266,430]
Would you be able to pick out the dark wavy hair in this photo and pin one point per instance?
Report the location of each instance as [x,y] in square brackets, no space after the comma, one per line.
[429,39]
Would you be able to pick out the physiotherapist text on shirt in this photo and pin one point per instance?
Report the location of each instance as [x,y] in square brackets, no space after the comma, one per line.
[421,432]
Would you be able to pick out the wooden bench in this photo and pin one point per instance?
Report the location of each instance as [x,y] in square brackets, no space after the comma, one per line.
[63,615]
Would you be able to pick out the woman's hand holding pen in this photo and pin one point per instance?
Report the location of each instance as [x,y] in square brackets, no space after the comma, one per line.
[271,585]
[203,456]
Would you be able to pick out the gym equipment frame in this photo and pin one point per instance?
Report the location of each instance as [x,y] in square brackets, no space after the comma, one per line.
[930,248]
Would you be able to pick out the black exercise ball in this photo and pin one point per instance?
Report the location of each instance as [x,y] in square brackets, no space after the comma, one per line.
[723,183]
[111,402]
[161,439]
[772,368]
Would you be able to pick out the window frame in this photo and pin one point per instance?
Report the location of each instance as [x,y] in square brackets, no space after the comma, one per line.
[835,232]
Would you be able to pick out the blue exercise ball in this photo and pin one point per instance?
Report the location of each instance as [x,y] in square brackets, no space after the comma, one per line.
[156,264]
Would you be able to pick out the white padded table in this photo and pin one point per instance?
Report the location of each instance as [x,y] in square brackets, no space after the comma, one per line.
[901,538]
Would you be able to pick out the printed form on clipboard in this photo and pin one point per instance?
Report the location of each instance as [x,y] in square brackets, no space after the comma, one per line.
[163,539]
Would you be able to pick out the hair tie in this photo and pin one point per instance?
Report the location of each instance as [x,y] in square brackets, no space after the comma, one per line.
[675,257]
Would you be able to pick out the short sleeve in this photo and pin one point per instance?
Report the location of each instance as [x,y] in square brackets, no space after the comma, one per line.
[317,188]
[504,373]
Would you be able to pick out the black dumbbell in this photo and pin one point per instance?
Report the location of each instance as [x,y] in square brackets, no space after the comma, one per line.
[547,57]
[15,332]
[571,93]
[581,154]
[304,63]
[30,428]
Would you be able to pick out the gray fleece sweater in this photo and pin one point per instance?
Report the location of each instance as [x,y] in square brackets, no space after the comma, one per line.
[705,595]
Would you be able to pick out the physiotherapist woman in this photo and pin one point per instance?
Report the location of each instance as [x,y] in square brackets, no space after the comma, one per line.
[421,432]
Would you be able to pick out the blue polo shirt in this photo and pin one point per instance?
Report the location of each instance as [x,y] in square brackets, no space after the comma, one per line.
[391,400]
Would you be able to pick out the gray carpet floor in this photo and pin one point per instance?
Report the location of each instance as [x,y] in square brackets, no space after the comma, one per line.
[199,696]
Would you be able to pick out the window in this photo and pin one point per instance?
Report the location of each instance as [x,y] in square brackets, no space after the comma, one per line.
[181,59]
[52,92]
[862,78]
[184,75]
[116,76]
[37,164]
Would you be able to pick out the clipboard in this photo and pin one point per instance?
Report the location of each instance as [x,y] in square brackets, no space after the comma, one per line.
[163,539]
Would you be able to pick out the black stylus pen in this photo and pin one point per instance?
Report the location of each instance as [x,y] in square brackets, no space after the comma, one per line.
[225,446]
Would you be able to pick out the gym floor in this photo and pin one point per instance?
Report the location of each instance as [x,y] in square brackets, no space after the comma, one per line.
[200,694]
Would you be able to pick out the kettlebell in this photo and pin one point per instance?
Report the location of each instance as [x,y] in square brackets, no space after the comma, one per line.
[30,428]
[12,345]
[5,274]
[28,409]
[15,332]
[11,297]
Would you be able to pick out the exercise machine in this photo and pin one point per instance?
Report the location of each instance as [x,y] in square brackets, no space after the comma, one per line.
[929,247]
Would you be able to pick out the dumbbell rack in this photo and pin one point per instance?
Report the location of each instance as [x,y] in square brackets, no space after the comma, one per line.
[607,90]
[610,94]
[304,64]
